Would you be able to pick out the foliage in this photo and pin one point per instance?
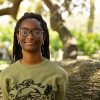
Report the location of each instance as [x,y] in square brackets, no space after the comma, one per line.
[39,8]
[1,1]
[87,42]
[6,39]
[3,62]
[6,33]
[55,42]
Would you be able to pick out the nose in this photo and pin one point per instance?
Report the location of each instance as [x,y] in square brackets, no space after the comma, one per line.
[30,35]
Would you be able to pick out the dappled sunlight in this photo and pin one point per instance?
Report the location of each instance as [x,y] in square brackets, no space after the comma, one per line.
[3,66]
[95,76]
[75,70]
[67,22]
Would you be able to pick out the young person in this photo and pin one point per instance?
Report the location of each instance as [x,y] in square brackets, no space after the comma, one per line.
[32,76]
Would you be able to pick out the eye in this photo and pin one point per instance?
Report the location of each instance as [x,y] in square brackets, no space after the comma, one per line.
[36,32]
[24,32]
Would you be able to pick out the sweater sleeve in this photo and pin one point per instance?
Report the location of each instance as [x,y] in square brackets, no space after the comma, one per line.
[61,87]
[3,87]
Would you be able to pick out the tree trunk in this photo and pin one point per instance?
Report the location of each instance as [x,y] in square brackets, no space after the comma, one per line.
[91,17]
[69,42]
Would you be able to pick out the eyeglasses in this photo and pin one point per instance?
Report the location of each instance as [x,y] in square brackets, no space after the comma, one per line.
[35,33]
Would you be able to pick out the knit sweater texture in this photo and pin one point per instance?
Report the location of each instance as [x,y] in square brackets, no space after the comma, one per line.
[43,81]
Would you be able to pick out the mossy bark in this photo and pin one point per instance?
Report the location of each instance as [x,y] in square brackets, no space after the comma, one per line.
[84,79]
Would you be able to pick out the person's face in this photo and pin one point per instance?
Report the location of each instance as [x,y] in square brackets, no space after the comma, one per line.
[30,36]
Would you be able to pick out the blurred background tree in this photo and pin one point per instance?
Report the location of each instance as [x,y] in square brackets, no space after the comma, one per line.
[57,13]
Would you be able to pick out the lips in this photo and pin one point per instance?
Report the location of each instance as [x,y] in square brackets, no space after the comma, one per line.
[29,43]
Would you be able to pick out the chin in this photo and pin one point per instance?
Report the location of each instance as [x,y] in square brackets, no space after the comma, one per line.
[32,50]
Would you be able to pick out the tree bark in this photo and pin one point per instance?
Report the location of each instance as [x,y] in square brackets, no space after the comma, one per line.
[70,46]
[91,17]
[11,10]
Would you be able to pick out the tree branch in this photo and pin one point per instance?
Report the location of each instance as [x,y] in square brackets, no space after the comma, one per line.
[65,35]
[11,10]
[49,4]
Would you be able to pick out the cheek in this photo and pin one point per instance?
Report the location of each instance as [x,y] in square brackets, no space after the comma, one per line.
[22,41]
[39,42]
[19,38]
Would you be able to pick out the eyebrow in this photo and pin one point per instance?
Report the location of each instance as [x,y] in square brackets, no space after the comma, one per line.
[30,29]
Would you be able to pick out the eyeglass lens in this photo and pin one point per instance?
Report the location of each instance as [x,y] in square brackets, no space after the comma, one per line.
[26,32]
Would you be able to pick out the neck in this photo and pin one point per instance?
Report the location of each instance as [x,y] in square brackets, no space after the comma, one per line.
[31,58]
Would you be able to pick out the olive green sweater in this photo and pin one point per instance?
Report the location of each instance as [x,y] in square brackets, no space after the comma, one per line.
[43,81]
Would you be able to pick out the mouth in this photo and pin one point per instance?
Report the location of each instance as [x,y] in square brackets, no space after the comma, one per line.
[29,43]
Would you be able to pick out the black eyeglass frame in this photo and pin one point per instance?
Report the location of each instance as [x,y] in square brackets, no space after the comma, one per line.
[40,31]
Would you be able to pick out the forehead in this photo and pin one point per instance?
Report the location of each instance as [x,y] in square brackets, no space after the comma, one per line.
[30,22]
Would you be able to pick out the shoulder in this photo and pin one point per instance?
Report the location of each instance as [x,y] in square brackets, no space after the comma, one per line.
[59,72]
[8,69]
[55,67]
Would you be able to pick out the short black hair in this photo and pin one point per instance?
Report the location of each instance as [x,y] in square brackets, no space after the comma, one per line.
[17,50]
